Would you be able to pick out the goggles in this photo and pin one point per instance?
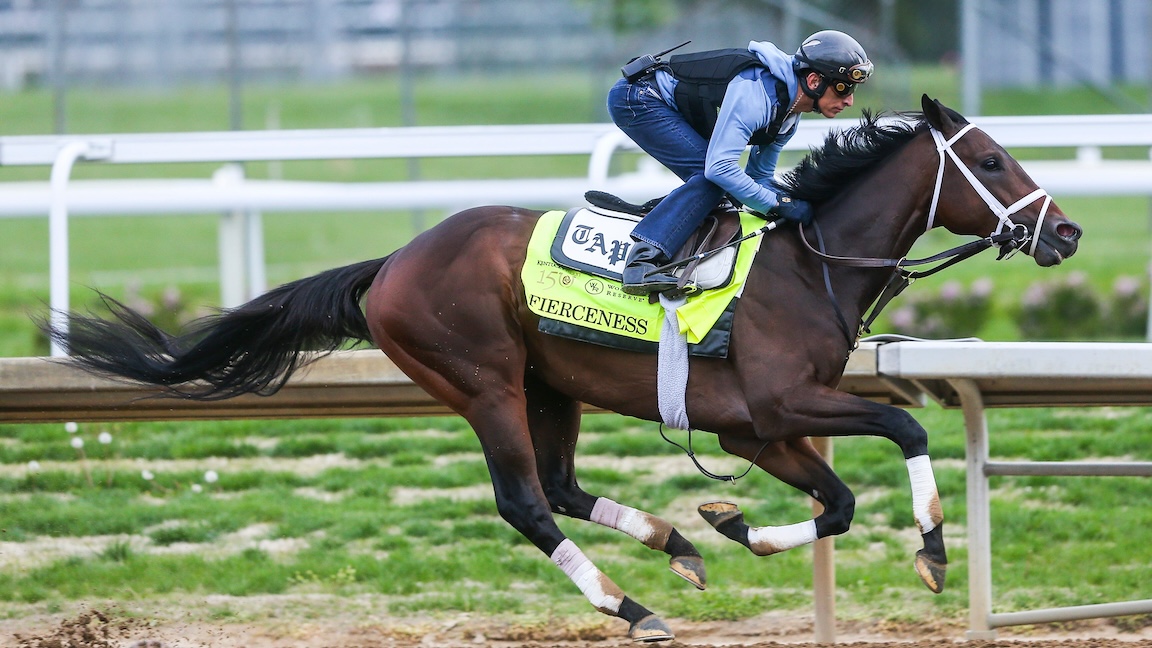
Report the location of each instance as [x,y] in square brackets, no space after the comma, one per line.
[843,89]
[858,74]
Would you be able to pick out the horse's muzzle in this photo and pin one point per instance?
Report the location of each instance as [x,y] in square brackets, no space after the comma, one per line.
[1059,240]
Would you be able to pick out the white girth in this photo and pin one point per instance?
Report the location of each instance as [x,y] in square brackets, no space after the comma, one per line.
[1003,213]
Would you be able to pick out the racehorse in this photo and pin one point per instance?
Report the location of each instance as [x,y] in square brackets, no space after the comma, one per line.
[449,310]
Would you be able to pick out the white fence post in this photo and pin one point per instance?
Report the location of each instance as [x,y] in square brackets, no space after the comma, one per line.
[58,237]
[254,253]
[58,284]
[240,245]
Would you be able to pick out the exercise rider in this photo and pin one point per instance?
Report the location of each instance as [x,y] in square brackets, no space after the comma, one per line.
[696,114]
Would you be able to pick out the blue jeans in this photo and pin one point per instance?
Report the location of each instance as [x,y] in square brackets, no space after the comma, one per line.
[664,134]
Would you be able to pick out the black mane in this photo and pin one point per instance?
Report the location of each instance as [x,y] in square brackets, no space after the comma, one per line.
[848,153]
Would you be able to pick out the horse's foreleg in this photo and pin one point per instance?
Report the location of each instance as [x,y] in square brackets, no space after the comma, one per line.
[900,426]
[554,421]
[830,413]
[931,561]
[797,464]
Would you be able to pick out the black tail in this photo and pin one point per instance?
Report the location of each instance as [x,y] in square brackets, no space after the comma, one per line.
[253,348]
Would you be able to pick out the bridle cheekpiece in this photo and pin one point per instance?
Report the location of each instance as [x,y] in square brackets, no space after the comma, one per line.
[1004,214]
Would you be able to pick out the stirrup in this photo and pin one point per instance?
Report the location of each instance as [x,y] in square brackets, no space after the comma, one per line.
[685,291]
[649,287]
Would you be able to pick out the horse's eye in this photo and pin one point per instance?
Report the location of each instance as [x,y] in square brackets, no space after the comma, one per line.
[991,164]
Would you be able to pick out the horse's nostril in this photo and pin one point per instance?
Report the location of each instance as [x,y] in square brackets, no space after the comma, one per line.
[1068,231]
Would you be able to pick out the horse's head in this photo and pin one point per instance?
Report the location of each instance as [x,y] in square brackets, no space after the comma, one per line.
[982,190]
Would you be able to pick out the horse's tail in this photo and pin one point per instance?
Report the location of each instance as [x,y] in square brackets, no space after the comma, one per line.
[253,348]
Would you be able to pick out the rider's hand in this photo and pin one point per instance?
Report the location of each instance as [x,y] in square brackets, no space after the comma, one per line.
[794,209]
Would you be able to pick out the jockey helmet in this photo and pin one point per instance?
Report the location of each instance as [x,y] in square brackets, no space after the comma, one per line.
[836,57]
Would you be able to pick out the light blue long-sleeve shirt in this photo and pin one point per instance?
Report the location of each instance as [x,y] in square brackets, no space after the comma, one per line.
[749,105]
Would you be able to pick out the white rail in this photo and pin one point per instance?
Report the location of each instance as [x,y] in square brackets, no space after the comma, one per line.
[243,199]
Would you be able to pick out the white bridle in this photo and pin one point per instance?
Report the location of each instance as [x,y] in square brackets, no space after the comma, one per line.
[1003,213]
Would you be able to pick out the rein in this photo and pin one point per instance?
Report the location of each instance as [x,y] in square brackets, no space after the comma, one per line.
[695,258]
[902,277]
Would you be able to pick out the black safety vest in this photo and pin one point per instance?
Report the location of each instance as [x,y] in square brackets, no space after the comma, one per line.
[702,78]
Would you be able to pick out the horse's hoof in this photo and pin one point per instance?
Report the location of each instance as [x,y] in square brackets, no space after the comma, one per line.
[690,568]
[931,572]
[650,629]
[728,519]
[718,513]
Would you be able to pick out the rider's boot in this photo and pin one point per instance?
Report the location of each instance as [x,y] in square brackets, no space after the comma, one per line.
[640,276]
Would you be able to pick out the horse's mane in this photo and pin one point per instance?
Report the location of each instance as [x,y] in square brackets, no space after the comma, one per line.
[848,153]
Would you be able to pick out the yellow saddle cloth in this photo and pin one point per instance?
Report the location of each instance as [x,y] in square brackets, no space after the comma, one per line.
[594,309]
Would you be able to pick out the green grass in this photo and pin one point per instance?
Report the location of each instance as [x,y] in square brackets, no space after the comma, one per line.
[400,508]
[348,533]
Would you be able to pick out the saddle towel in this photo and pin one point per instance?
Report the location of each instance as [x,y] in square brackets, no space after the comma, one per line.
[591,306]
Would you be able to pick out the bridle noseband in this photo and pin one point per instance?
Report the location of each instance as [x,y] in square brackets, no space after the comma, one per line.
[1001,212]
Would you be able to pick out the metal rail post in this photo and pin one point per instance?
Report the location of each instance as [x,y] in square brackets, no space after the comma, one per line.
[241,246]
[979,511]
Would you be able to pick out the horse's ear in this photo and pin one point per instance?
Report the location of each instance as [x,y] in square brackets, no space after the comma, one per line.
[937,115]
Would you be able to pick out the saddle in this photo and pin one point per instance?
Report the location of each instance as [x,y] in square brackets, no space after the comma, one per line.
[720,228]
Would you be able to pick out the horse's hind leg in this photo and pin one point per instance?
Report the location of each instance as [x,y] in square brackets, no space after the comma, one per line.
[498,418]
[521,501]
[554,421]
[480,375]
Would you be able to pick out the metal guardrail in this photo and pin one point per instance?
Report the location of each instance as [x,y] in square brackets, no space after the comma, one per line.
[974,376]
[345,384]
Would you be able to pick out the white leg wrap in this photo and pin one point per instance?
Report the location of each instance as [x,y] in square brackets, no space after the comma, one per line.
[596,587]
[925,499]
[647,528]
[768,540]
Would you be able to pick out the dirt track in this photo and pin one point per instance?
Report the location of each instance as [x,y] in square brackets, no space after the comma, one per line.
[109,629]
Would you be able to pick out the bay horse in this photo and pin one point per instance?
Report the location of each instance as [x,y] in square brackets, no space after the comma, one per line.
[449,310]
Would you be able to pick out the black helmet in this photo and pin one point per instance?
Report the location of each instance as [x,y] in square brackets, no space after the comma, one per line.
[834,55]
